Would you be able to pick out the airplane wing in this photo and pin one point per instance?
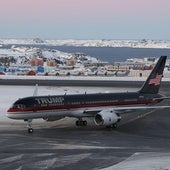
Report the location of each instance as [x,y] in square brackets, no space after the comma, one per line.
[110,116]
[124,108]
[161,98]
[140,107]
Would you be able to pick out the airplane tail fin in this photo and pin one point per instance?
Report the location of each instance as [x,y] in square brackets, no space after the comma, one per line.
[153,82]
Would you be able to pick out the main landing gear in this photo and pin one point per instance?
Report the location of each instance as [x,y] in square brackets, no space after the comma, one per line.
[81,122]
[113,126]
[30,129]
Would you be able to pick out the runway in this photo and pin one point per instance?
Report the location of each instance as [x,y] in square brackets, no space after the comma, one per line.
[142,139]
[88,81]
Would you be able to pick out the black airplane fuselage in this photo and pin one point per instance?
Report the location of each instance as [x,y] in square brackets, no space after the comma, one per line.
[80,102]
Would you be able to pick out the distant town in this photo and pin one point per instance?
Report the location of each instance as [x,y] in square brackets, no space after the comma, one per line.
[31,61]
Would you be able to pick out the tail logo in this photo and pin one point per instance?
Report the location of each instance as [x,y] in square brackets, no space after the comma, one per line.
[157,80]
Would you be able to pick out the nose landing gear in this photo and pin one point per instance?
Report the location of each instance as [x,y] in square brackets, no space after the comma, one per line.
[30,129]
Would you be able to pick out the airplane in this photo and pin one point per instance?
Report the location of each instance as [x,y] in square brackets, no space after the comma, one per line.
[102,107]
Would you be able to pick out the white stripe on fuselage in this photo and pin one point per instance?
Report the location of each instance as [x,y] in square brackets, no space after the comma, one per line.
[54,113]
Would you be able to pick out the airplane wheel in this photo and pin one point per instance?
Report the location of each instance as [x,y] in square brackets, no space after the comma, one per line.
[84,123]
[30,130]
[77,123]
[109,127]
[114,126]
[81,123]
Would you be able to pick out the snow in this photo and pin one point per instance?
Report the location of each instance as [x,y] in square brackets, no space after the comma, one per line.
[93,43]
[11,159]
[56,54]
[91,78]
[144,161]
[10,52]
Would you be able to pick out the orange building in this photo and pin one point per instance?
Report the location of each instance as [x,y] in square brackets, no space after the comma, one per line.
[36,62]
[71,62]
[51,63]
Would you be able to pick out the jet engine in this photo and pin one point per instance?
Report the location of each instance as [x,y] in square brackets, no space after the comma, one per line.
[106,118]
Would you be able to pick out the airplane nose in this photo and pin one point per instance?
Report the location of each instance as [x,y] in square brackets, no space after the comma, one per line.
[10,110]
[8,113]
[11,113]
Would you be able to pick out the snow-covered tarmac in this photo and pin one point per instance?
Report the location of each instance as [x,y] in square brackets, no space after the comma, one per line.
[139,160]
[144,161]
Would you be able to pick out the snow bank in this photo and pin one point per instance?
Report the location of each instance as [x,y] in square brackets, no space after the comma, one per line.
[141,161]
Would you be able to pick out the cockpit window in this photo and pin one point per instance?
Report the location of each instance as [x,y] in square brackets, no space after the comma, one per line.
[18,106]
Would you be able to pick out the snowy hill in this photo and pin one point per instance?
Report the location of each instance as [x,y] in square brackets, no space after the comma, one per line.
[22,55]
[91,43]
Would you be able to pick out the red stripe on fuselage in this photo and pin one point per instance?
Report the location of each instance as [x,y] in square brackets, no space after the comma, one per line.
[67,107]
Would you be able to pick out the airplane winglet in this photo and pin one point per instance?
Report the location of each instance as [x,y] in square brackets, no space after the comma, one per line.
[35,90]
